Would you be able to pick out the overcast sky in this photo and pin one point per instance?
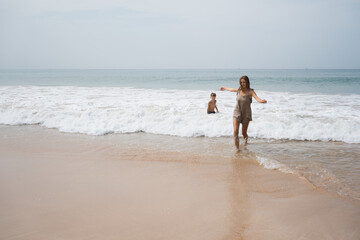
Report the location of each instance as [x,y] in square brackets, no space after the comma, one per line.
[179,34]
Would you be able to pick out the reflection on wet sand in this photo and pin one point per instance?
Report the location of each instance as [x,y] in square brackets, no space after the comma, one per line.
[239,199]
[267,204]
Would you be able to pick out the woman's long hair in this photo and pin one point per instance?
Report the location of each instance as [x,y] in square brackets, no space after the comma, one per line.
[247,81]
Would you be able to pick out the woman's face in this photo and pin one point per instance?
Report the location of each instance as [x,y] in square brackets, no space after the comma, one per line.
[243,83]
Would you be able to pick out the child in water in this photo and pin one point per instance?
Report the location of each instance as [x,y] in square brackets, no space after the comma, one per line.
[212,104]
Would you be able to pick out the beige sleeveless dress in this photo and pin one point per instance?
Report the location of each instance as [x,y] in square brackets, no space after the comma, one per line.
[242,111]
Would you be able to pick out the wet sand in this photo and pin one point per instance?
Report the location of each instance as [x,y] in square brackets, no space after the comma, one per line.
[70,186]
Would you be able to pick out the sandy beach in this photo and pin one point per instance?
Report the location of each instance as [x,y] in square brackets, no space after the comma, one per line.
[57,185]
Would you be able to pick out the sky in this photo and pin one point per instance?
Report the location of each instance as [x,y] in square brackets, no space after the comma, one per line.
[141,34]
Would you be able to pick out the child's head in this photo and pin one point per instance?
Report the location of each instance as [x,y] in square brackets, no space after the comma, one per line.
[213,96]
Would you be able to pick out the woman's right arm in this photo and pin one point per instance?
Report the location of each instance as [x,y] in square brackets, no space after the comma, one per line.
[228,89]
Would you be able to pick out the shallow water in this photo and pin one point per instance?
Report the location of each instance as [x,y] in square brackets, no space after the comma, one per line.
[332,166]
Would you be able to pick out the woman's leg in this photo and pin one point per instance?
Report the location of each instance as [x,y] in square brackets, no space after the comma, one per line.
[236,124]
[244,131]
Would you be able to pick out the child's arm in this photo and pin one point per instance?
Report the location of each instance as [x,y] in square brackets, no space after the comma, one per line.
[216,107]
[229,89]
[208,108]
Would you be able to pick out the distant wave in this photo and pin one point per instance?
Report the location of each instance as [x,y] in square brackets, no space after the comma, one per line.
[102,110]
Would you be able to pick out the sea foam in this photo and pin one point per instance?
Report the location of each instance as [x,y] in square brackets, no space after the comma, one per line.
[102,110]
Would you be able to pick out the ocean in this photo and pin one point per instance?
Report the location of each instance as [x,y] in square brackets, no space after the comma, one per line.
[309,127]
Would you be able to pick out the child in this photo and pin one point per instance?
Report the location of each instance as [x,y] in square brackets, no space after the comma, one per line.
[212,104]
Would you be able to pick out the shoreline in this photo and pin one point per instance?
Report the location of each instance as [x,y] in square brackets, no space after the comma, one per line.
[74,186]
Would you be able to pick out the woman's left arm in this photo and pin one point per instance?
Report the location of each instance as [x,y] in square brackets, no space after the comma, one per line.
[257,98]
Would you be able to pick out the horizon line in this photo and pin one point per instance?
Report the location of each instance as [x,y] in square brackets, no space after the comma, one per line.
[179,68]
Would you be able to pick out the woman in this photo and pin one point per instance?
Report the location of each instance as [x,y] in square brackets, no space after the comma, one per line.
[242,111]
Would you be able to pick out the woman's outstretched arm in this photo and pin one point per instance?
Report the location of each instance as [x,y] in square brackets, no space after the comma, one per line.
[257,98]
[228,89]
